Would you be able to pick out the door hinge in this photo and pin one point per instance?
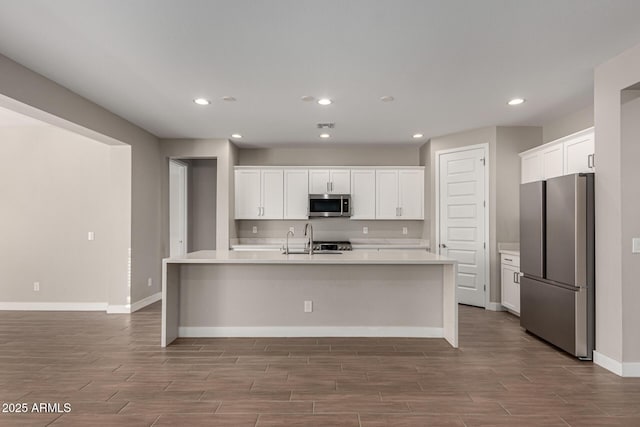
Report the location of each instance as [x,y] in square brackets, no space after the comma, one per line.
[484,203]
[485,288]
[484,245]
[482,159]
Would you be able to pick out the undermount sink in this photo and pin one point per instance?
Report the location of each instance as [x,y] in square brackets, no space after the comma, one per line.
[306,252]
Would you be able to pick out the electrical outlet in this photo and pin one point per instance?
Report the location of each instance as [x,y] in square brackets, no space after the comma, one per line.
[149,282]
[635,245]
[36,286]
[365,230]
[405,230]
[308,306]
[254,230]
[292,229]
[91,235]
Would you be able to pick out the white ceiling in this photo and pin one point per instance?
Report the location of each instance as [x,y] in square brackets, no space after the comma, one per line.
[451,65]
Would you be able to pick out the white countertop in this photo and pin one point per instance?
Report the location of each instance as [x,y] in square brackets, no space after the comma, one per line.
[347,257]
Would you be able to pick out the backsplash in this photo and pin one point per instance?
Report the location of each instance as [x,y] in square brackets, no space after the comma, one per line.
[332,229]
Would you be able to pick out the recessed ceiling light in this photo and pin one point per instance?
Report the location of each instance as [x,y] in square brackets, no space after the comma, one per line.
[324,101]
[202,101]
[228,98]
[386,98]
[307,98]
[516,101]
[418,135]
[236,136]
[325,135]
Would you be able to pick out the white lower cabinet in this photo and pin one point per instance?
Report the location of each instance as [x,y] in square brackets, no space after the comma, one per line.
[510,280]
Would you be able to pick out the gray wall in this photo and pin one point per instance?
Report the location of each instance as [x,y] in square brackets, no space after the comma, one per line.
[568,124]
[57,187]
[617,204]
[330,156]
[201,222]
[630,155]
[225,154]
[24,91]
[504,179]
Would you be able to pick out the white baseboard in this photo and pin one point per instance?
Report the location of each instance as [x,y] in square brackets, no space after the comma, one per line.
[146,301]
[131,308]
[119,309]
[495,306]
[308,331]
[629,369]
[53,306]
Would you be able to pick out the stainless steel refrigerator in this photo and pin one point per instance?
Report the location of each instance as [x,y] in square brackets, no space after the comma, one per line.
[557,260]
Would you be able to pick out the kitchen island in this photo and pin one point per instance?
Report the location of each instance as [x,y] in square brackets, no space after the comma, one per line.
[352,294]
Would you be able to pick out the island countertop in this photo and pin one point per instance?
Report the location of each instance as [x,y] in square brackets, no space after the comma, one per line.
[346,257]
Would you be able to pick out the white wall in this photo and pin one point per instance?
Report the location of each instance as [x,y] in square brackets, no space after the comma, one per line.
[56,187]
[617,204]
[27,92]
[330,156]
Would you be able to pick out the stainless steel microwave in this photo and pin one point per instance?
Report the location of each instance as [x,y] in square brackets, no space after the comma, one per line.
[329,205]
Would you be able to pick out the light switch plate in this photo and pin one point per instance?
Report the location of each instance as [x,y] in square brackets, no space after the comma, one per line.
[91,235]
[635,245]
[308,306]
[365,230]
[254,230]
[292,229]
[405,230]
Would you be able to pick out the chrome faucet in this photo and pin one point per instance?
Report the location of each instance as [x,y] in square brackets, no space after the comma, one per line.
[308,231]
[286,248]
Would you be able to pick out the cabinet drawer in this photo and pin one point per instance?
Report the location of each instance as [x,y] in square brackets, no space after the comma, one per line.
[513,260]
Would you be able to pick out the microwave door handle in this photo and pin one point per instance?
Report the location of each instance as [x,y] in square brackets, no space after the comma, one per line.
[341,205]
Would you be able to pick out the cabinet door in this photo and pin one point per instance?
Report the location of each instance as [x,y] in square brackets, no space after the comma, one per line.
[531,167]
[247,187]
[363,194]
[318,181]
[578,154]
[296,193]
[387,194]
[272,194]
[411,193]
[340,181]
[510,289]
[552,161]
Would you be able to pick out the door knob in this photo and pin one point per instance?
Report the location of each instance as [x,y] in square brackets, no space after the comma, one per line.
[442,245]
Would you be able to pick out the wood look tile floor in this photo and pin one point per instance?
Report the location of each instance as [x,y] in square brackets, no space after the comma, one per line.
[112,371]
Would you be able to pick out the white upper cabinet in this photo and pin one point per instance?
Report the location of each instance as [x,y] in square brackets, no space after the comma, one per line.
[411,193]
[329,181]
[296,192]
[363,194]
[531,167]
[579,154]
[552,161]
[259,194]
[400,194]
[565,156]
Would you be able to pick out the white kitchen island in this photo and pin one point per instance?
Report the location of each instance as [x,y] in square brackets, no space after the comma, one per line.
[356,293]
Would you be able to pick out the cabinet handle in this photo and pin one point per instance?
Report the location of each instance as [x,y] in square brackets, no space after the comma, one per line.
[400,209]
[331,185]
[262,211]
[508,259]
[591,161]
[258,210]
[328,187]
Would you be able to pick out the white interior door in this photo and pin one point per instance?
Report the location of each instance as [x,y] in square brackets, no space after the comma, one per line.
[177,208]
[462,220]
